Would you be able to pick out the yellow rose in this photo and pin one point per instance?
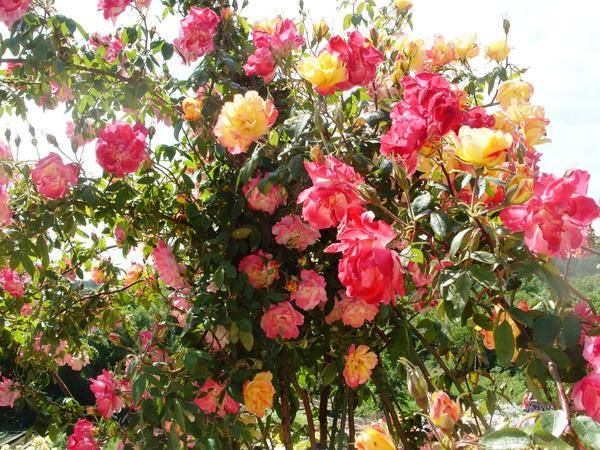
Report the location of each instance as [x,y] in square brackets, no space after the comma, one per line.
[360,363]
[403,5]
[244,120]
[441,52]
[267,25]
[324,72]
[514,91]
[320,28]
[519,188]
[375,437]
[528,120]
[498,50]
[192,109]
[258,393]
[482,146]
[411,54]
[466,46]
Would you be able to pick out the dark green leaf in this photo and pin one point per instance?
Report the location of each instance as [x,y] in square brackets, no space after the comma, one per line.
[588,431]
[505,344]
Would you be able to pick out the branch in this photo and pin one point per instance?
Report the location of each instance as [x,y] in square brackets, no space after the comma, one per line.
[351,428]
[310,423]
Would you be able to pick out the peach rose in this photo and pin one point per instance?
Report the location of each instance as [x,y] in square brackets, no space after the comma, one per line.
[282,320]
[443,411]
[52,177]
[360,363]
[258,393]
[260,268]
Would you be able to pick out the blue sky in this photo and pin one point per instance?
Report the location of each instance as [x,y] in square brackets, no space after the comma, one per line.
[559,41]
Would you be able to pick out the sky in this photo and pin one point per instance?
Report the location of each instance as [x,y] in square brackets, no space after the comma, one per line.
[559,41]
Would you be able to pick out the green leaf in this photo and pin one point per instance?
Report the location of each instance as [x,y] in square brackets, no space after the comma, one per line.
[457,241]
[329,374]
[484,257]
[552,422]
[553,278]
[167,51]
[504,340]
[438,224]
[546,441]
[545,330]
[588,431]
[247,340]
[506,439]
[421,203]
[571,330]
[273,138]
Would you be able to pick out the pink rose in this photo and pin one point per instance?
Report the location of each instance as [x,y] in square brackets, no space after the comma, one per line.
[12,283]
[591,351]
[8,392]
[477,117]
[353,312]
[82,437]
[217,339]
[119,235]
[181,307]
[334,191]
[586,396]
[310,292]
[209,397]
[196,37]
[262,64]
[292,232]
[588,318]
[112,8]
[556,219]
[112,45]
[26,309]
[13,10]
[6,213]
[260,268]
[107,391]
[284,38]
[273,196]
[77,138]
[121,148]
[5,155]
[52,177]
[368,269]
[143,3]
[169,271]
[282,320]
[62,92]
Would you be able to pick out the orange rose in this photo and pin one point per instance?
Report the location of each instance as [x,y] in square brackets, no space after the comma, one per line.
[360,363]
[443,411]
[192,109]
[258,393]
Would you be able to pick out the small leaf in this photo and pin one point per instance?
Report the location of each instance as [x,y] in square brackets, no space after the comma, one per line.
[457,241]
[546,441]
[421,203]
[438,224]
[247,340]
[506,439]
[329,374]
[552,422]
[588,431]
[484,257]
[504,340]
[545,330]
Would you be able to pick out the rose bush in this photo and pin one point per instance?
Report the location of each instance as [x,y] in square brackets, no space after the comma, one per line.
[279,238]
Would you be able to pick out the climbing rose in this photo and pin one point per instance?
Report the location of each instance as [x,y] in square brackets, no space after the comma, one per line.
[106,390]
[282,320]
[112,8]
[556,218]
[261,269]
[591,351]
[198,30]
[375,437]
[13,10]
[52,177]
[12,283]
[586,396]
[274,195]
[443,411]
[209,396]
[358,56]
[292,232]
[514,92]
[262,64]
[5,211]
[243,121]
[360,363]
[181,307]
[334,191]
[325,72]
[281,38]
[368,269]
[258,393]
[5,155]
[121,148]
[82,437]
[353,312]
[482,147]
[169,271]
[112,45]
[310,292]
[8,392]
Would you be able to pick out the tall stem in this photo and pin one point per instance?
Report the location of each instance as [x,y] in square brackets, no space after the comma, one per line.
[351,427]
[286,434]
[323,400]
[310,423]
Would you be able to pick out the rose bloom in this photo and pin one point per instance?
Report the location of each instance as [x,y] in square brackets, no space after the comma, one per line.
[258,393]
[403,5]
[282,320]
[466,46]
[482,146]
[143,3]
[112,8]
[97,275]
[411,54]
[586,396]
[82,437]
[169,271]
[13,10]
[209,396]
[443,411]
[181,307]
[52,177]
[133,274]
[280,35]
[12,283]
[77,138]
[6,213]
[8,392]
[477,117]
[310,292]
[360,363]
[358,56]
[334,191]
[514,91]
[353,312]
[261,269]
[262,64]
[375,437]
[5,155]
[268,201]
[591,351]
[498,50]
[292,232]
[106,390]
[325,72]
[192,109]
[121,148]
[243,121]
[217,339]
[368,268]
[198,30]
[112,45]
[556,219]
[441,52]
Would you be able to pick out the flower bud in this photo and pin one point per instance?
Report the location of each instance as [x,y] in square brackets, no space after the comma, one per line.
[519,188]
[316,154]
[443,411]
[403,5]
[320,29]
[417,386]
